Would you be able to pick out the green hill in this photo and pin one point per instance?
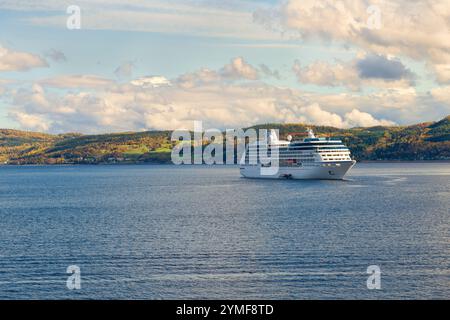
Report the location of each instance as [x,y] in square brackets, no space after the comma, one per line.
[425,141]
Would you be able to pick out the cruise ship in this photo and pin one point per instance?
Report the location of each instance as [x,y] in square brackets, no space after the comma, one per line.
[310,158]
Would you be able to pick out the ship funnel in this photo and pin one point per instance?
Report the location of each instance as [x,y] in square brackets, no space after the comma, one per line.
[310,133]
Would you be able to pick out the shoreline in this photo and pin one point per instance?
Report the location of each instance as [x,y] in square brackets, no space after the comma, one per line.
[403,161]
[171,164]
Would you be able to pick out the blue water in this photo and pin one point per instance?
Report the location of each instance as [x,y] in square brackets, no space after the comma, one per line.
[167,232]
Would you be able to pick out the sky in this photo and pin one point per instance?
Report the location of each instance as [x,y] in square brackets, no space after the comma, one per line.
[131,65]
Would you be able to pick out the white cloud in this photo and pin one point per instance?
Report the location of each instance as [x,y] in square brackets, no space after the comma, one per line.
[365,70]
[238,68]
[442,72]
[130,107]
[30,121]
[442,94]
[76,81]
[156,102]
[11,60]
[211,19]
[235,95]
[356,118]
[315,114]
[151,82]
[200,77]
[417,29]
[326,74]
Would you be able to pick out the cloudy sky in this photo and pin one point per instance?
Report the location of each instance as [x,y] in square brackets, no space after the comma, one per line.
[144,64]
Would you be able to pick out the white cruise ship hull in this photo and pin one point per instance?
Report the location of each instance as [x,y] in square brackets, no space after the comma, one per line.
[318,170]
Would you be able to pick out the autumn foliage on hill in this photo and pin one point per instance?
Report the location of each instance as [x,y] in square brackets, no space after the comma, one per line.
[425,141]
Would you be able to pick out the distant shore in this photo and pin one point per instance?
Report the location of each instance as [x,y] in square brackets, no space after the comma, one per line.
[171,164]
[420,142]
[403,161]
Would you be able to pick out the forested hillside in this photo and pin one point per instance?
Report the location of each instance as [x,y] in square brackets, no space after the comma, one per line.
[425,141]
